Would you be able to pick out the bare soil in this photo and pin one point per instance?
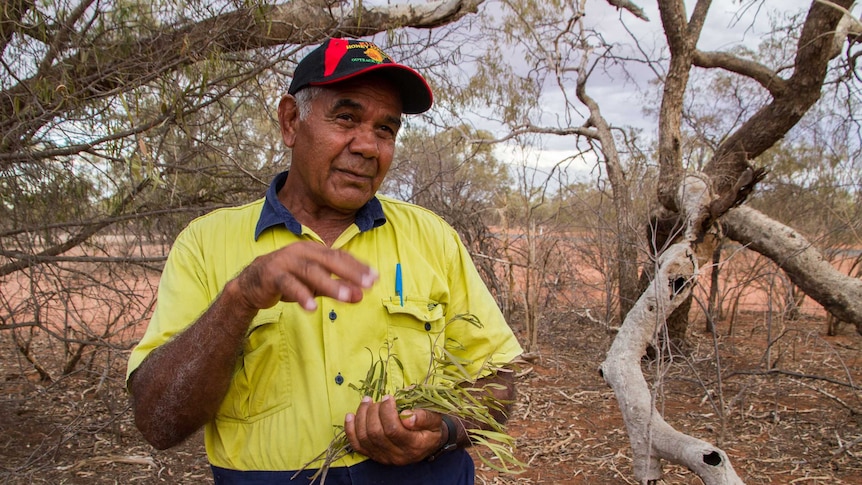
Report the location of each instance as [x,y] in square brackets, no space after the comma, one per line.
[786,413]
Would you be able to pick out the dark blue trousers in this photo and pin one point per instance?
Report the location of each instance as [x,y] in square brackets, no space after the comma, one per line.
[455,468]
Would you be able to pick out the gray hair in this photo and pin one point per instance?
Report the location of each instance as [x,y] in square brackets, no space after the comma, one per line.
[304,98]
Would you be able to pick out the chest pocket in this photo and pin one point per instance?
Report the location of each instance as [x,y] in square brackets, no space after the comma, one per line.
[415,330]
[261,380]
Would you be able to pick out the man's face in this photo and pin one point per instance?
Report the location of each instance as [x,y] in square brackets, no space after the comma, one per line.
[344,146]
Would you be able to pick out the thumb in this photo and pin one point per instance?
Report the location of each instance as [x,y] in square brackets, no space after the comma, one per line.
[421,419]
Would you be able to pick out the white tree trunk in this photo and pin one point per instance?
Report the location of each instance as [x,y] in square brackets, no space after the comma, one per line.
[651,437]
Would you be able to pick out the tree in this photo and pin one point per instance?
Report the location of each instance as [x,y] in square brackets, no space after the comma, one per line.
[561,52]
[92,52]
[120,115]
[550,39]
[700,199]
[813,156]
[119,121]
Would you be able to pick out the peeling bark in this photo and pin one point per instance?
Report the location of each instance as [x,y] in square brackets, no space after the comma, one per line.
[840,294]
[732,176]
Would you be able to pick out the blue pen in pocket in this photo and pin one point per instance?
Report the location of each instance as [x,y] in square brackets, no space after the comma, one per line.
[399,283]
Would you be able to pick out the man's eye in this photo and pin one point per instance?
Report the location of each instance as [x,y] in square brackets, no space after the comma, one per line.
[388,130]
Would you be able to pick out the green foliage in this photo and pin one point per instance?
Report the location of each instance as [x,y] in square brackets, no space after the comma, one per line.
[199,135]
[447,389]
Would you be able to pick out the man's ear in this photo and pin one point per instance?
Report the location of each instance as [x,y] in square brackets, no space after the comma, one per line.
[288,116]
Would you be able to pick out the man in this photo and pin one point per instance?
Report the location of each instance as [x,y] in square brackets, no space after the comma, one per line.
[268,312]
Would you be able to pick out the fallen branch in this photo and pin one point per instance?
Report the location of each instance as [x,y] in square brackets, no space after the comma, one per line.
[104,460]
[794,374]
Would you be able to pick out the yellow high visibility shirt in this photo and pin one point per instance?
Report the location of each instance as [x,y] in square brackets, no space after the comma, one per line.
[291,385]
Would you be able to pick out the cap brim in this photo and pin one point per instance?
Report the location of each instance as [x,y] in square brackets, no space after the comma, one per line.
[416,95]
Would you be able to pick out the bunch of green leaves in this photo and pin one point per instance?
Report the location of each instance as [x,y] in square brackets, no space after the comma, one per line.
[447,389]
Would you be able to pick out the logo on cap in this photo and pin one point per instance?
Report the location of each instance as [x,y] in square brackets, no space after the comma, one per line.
[374,54]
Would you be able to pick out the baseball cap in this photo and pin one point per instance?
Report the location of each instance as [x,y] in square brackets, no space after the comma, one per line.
[340,59]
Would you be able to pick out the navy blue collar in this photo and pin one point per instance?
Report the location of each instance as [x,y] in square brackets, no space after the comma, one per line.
[274,213]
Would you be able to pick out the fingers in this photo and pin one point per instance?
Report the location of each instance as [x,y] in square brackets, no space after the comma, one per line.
[302,275]
[375,431]
[420,419]
[356,428]
[378,431]
[300,272]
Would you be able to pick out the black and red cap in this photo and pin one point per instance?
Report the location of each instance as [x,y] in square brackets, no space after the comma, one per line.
[340,59]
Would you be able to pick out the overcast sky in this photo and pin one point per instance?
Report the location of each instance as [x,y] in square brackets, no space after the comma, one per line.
[723,30]
[622,104]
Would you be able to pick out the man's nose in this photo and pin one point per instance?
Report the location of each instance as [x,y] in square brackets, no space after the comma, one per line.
[365,142]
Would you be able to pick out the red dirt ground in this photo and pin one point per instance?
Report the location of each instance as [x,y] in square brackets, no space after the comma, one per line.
[787,408]
[790,416]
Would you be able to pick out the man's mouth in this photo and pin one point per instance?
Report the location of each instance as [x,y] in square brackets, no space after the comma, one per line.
[354,175]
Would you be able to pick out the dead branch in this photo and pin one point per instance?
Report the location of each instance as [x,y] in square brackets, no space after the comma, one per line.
[839,293]
[798,375]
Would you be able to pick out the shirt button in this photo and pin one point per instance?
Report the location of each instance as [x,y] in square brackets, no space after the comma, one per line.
[338,379]
[332,315]
[427,327]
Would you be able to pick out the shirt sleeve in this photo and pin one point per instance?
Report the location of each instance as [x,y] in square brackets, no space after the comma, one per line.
[182,297]
[487,341]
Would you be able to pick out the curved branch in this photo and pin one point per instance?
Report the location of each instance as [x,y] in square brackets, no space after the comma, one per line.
[652,438]
[773,121]
[840,294]
[764,76]
[103,69]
